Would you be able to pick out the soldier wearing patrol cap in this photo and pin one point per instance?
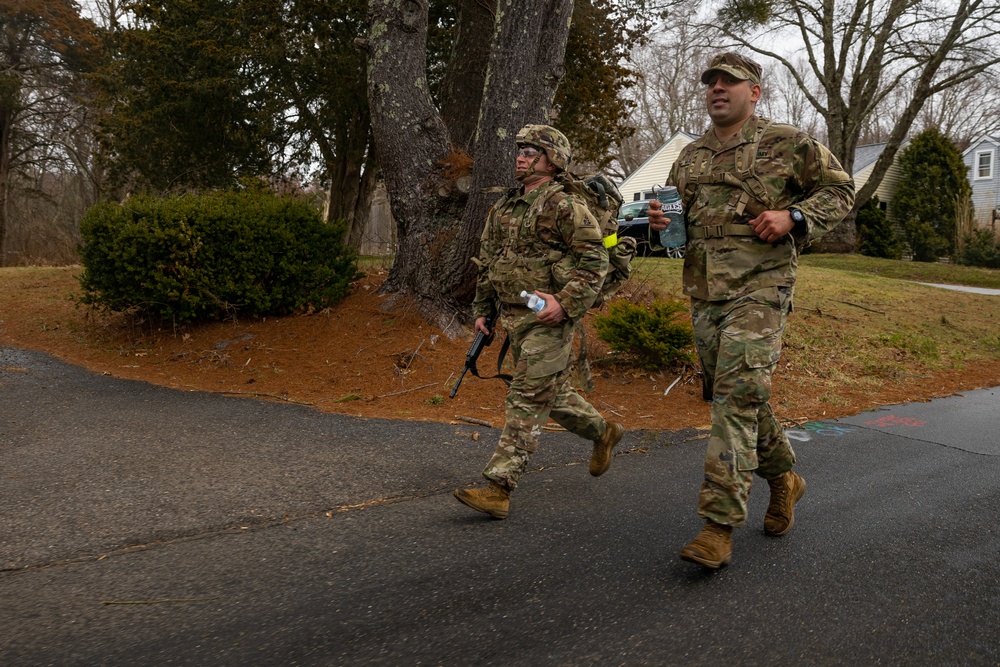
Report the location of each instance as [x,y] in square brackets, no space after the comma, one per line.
[754,192]
[527,233]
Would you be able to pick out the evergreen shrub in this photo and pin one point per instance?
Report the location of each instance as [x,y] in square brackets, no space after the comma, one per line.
[188,258]
[933,184]
[876,236]
[655,336]
[979,248]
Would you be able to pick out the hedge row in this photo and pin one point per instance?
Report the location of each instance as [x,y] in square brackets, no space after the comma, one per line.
[201,257]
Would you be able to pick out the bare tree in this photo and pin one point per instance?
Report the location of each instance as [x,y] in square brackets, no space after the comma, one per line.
[861,52]
[966,111]
[669,96]
[44,47]
[783,101]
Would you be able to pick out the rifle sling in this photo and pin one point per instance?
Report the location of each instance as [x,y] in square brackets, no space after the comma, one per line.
[507,378]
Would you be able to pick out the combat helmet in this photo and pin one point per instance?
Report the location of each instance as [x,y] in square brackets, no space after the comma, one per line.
[549,139]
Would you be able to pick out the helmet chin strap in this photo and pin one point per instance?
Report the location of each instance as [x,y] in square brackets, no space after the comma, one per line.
[521,175]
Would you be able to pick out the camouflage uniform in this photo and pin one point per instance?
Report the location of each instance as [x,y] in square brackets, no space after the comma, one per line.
[544,240]
[741,287]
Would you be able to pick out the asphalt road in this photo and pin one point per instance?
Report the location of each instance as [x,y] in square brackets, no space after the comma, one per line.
[146,526]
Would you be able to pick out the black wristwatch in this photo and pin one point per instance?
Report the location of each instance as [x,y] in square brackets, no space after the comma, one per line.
[797,216]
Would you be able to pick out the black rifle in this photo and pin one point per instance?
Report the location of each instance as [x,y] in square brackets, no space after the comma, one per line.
[472,356]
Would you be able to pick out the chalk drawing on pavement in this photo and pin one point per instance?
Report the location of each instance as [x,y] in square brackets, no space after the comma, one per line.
[805,433]
[893,420]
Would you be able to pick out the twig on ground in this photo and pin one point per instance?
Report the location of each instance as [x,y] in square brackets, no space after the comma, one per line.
[609,409]
[414,355]
[672,384]
[407,391]
[473,420]
[857,305]
[257,394]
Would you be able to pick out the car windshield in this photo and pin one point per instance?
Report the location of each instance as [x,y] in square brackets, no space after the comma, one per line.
[637,209]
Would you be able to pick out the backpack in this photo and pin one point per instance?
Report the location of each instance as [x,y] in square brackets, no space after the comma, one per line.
[603,200]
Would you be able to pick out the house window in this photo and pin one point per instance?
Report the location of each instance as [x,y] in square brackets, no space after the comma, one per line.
[984,164]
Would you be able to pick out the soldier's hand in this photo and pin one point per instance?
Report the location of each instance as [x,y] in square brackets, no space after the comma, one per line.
[481,325]
[657,220]
[772,225]
[553,312]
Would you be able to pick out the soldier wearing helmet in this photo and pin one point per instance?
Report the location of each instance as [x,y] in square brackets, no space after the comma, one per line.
[754,192]
[550,140]
[544,240]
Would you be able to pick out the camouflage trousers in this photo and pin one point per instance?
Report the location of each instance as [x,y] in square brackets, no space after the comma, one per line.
[541,388]
[739,342]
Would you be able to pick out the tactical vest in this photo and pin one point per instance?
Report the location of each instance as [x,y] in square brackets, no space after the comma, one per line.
[524,261]
[753,200]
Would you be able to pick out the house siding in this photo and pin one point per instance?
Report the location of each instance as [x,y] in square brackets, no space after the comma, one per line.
[656,169]
[985,191]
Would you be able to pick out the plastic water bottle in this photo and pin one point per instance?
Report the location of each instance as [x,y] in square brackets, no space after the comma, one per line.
[535,302]
[674,235]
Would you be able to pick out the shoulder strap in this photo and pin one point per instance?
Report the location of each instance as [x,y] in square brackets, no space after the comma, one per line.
[746,166]
[754,198]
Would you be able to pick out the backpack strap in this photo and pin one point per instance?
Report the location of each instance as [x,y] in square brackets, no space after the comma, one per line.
[754,199]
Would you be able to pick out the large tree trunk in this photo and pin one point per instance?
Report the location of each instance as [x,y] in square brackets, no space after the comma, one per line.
[439,219]
[526,67]
[411,142]
[6,127]
[363,205]
[465,78]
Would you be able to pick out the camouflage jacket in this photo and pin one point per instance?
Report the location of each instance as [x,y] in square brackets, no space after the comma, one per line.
[544,240]
[792,169]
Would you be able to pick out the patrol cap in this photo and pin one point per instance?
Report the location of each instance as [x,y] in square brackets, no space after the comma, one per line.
[734,64]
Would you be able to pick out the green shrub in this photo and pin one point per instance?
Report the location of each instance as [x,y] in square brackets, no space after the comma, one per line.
[876,236]
[933,186]
[189,258]
[980,249]
[656,336]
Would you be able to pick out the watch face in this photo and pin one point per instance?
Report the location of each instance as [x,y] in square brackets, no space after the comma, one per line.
[797,215]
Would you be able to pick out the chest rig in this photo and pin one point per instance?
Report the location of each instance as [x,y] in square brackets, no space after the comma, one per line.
[753,199]
[524,260]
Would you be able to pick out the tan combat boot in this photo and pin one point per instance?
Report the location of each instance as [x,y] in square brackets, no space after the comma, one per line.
[492,499]
[600,460]
[785,492]
[712,548]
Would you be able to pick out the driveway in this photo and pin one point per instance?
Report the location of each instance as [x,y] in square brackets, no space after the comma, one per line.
[142,525]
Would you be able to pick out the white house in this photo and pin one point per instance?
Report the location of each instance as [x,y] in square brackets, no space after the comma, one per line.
[654,171]
[981,160]
[865,158]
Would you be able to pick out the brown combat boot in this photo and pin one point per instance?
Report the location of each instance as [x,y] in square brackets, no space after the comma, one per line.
[492,499]
[600,460]
[712,548]
[785,492]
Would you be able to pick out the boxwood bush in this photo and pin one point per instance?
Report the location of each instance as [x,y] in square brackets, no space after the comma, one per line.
[188,258]
[655,336]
